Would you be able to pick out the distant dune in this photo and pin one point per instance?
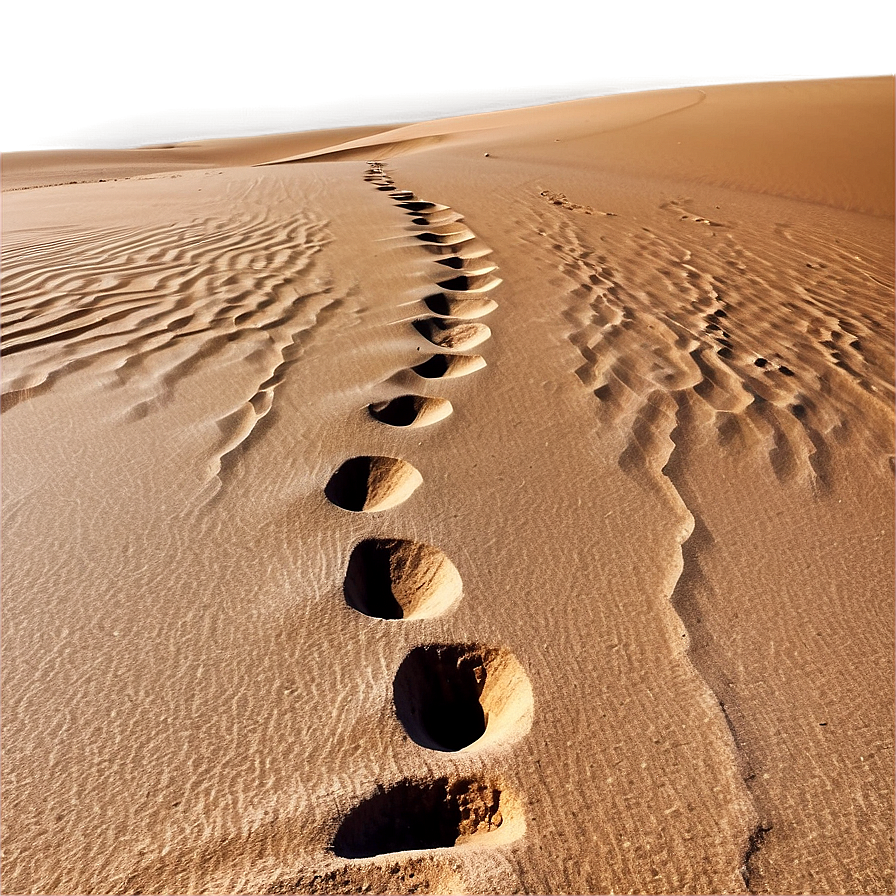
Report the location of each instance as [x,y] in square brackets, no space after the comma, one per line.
[498,504]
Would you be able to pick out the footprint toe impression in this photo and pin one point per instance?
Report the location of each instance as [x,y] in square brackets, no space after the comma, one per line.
[411,411]
[454,337]
[449,697]
[435,814]
[369,484]
[393,578]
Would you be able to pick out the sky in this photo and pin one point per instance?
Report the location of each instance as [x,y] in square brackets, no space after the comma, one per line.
[98,73]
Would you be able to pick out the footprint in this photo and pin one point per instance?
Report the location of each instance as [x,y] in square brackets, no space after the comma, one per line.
[475,264]
[449,697]
[369,484]
[421,205]
[403,195]
[419,873]
[412,411]
[391,578]
[449,366]
[470,282]
[465,309]
[447,234]
[455,337]
[437,814]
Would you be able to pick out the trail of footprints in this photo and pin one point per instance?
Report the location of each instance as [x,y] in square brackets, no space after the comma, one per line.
[448,697]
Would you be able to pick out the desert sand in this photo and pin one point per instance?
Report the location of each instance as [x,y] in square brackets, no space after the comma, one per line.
[499,504]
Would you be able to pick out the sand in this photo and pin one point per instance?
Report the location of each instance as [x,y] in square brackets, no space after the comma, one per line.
[500,504]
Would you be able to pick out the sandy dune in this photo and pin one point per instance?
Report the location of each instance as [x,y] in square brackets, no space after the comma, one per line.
[500,504]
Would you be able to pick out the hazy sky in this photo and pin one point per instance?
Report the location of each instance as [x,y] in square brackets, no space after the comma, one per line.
[102,73]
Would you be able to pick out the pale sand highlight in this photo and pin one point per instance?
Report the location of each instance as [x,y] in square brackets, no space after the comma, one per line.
[627,620]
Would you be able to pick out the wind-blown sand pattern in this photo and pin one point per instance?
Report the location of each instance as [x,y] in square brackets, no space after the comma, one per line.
[497,504]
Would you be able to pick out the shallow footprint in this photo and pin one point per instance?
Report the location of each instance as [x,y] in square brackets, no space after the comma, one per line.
[369,484]
[444,812]
[449,366]
[392,578]
[455,337]
[412,411]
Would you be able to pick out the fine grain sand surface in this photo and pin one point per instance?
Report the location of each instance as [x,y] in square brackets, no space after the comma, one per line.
[500,504]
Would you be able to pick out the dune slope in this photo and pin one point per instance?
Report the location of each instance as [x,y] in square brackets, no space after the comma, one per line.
[498,504]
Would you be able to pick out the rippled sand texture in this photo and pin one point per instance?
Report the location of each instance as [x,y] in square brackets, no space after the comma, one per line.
[499,504]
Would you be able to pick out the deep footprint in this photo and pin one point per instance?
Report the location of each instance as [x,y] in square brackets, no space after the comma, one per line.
[434,814]
[411,411]
[447,234]
[392,578]
[449,366]
[464,309]
[369,484]
[455,337]
[421,205]
[451,696]
[470,282]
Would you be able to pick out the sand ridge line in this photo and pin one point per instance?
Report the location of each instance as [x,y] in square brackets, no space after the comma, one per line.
[238,426]
[647,394]
[666,367]
[146,306]
[707,354]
